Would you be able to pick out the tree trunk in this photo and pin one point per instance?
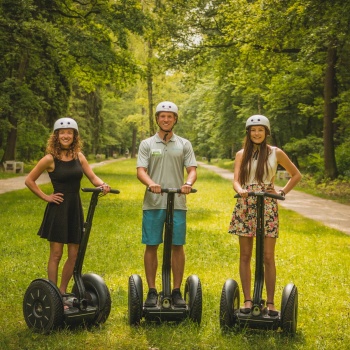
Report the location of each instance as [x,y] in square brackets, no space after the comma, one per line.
[330,110]
[10,150]
[150,90]
[133,147]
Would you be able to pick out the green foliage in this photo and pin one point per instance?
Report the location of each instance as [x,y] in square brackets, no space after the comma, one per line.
[337,190]
[32,143]
[220,61]
[343,158]
[48,48]
[31,82]
[268,57]
[306,153]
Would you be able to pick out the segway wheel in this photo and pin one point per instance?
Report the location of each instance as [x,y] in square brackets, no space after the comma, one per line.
[229,303]
[43,306]
[135,300]
[289,309]
[193,298]
[97,294]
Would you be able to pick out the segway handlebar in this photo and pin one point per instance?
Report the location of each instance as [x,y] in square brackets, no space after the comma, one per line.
[99,189]
[263,194]
[172,190]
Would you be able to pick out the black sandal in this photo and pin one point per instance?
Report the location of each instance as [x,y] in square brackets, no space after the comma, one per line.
[272,313]
[67,300]
[246,310]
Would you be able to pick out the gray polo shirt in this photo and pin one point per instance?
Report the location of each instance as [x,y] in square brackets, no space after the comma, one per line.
[165,164]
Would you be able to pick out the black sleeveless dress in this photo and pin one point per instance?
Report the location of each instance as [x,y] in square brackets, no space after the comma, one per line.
[63,223]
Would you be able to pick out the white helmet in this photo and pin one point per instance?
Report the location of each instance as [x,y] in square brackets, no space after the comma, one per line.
[65,123]
[258,120]
[167,106]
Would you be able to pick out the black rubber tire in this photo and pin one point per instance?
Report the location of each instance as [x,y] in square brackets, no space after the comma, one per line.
[289,309]
[97,294]
[193,298]
[229,304]
[43,306]
[135,300]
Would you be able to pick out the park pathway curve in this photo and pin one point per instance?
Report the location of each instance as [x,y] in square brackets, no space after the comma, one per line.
[330,213]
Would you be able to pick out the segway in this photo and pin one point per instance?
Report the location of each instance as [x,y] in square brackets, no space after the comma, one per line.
[258,318]
[165,310]
[89,302]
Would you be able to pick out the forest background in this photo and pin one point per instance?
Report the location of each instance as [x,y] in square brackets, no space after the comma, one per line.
[107,63]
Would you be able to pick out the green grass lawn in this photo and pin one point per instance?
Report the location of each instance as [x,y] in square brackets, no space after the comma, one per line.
[315,258]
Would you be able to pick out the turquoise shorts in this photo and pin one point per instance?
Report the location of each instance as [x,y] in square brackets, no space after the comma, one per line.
[153,224]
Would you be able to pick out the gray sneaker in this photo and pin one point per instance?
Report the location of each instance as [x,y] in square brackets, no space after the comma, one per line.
[177,298]
[152,298]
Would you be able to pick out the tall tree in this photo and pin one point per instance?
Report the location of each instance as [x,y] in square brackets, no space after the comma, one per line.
[253,42]
[50,46]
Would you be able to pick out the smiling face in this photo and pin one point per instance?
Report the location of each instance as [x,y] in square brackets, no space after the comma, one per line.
[65,137]
[257,134]
[166,120]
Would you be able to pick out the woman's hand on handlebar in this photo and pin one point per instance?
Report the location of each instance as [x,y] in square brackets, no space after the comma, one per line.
[105,188]
[271,189]
[243,193]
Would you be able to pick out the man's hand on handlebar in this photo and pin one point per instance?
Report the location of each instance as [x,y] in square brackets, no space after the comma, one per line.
[155,188]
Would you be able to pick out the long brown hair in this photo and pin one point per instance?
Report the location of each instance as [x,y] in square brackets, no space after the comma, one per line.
[263,155]
[53,146]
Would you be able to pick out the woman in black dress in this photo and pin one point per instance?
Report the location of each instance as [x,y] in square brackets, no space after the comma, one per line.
[63,219]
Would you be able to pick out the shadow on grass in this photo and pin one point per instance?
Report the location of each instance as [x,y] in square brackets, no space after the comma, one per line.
[254,338]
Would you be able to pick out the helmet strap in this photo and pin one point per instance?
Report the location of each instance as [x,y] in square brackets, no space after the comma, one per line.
[167,132]
[257,150]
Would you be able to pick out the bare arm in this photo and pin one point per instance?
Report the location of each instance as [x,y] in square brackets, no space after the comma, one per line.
[89,173]
[191,177]
[236,184]
[293,171]
[191,174]
[45,164]
[144,178]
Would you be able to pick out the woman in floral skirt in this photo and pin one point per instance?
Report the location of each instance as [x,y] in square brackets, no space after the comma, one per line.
[254,170]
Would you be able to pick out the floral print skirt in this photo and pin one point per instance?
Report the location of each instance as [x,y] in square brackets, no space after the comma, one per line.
[244,223]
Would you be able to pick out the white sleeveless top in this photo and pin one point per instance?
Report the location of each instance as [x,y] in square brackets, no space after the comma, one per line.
[272,168]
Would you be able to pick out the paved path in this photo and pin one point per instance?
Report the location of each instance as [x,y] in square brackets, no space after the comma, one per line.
[17,183]
[328,212]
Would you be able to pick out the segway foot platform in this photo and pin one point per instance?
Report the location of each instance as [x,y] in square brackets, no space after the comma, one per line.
[75,316]
[160,314]
[164,309]
[262,321]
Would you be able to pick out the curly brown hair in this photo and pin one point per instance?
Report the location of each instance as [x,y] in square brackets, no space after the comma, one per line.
[53,146]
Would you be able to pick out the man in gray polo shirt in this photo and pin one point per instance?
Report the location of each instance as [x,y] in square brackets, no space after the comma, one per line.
[161,161]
